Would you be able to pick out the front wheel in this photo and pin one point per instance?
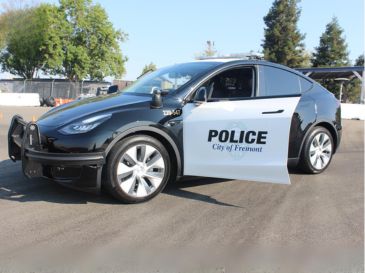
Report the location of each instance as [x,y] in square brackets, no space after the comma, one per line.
[138,169]
[317,151]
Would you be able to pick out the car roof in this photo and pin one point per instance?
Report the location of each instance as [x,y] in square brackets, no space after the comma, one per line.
[229,61]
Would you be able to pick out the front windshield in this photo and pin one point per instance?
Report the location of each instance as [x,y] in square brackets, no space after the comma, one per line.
[169,78]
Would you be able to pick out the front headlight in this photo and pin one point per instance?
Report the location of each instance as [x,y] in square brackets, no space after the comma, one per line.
[84,126]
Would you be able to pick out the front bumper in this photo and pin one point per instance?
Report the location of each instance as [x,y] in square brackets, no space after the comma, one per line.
[76,170]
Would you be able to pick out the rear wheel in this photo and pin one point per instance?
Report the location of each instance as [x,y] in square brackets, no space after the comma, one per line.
[138,169]
[317,151]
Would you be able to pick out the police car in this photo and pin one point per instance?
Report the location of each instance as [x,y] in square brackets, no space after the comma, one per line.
[241,119]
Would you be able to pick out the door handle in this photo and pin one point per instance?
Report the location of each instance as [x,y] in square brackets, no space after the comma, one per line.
[273,112]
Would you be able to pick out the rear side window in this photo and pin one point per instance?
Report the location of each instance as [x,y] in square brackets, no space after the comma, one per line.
[305,85]
[279,82]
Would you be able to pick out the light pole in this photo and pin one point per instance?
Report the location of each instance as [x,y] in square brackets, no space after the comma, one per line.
[342,81]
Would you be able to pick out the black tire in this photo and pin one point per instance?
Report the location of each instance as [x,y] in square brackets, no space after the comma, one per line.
[114,186]
[50,101]
[305,160]
[41,101]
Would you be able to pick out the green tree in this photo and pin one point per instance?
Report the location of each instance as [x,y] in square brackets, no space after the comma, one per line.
[148,68]
[353,88]
[351,91]
[360,60]
[332,49]
[283,42]
[75,39]
[25,39]
[91,48]
[4,26]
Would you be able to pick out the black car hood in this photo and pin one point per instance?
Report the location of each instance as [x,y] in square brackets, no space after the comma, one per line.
[86,107]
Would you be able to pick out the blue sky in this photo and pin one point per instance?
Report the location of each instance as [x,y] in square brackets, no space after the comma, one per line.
[167,32]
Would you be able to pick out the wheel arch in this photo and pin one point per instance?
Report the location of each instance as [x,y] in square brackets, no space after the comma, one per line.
[325,124]
[157,133]
[332,130]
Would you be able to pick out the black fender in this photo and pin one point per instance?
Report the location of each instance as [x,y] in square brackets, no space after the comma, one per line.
[139,126]
[329,125]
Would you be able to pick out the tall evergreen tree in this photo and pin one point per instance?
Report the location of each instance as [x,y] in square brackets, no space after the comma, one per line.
[283,42]
[360,60]
[332,49]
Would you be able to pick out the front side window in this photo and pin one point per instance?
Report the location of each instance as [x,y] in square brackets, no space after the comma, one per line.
[279,82]
[237,83]
[168,79]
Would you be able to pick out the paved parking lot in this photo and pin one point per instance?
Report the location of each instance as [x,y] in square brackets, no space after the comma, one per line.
[315,210]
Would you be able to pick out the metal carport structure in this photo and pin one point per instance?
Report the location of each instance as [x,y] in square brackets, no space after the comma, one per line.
[343,72]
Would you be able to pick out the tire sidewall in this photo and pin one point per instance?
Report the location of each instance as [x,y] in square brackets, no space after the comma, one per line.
[306,156]
[117,152]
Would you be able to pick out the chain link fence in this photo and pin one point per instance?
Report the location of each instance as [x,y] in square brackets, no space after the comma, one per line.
[63,89]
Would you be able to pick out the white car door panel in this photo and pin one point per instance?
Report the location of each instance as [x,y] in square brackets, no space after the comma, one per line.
[242,139]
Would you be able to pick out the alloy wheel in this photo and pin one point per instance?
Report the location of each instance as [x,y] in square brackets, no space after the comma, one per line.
[320,151]
[140,170]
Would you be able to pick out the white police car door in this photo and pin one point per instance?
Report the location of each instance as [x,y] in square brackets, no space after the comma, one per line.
[243,139]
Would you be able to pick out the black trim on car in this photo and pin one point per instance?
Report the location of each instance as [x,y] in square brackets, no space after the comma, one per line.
[69,159]
[15,136]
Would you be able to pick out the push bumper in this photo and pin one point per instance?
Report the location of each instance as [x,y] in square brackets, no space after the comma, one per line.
[76,170]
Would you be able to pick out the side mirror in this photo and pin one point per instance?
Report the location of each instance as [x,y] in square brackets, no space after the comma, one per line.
[112,89]
[156,99]
[201,95]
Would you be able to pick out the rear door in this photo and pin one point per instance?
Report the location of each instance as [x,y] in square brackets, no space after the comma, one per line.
[240,136]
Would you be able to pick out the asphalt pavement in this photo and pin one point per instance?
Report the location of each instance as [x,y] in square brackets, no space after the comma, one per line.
[316,211]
